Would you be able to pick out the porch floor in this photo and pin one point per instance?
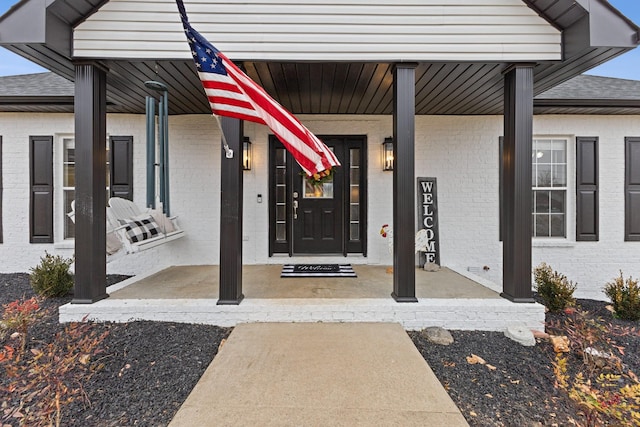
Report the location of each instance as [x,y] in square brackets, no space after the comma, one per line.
[447,298]
[264,282]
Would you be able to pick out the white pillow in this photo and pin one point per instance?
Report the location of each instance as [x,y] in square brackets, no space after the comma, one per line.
[165,224]
[113,243]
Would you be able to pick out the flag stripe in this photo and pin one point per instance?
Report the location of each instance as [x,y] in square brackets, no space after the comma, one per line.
[287,128]
[232,93]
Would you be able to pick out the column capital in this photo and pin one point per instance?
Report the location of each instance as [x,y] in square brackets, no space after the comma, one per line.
[91,62]
[518,65]
[405,65]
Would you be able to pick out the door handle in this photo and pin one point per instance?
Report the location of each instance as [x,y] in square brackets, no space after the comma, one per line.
[295,209]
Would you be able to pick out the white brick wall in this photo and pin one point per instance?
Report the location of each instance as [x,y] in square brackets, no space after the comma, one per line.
[461,152]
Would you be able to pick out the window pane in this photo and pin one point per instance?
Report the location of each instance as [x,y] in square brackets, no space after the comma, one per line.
[557,225]
[280,175]
[280,194]
[542,225]
[311,190]
[354,176]
[354,232]
[355,213]
[544,176]
[69,226]
[354,156]
[280,212]
[542,149]
[355,194]
[69,151]
[281,232]
[541,204]
[69,173]
[281,157]
[557,202]
[559,156]
[559,176]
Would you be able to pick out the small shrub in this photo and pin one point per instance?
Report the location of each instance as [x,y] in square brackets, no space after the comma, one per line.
[625,297]
[43,380]
[554,288]
[607,398]
[604,389]
[18,316]
[51,278]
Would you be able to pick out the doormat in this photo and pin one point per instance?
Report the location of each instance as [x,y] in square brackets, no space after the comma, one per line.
[317,270]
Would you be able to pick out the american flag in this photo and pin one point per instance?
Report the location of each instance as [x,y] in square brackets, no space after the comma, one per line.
[232,93]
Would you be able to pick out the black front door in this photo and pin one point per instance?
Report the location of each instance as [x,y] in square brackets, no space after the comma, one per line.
[318,209]
[324,218]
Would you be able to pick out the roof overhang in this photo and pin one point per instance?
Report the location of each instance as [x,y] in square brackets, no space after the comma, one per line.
[593,32]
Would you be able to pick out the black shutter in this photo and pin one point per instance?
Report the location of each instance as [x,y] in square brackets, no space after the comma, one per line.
[121,163]
[632,189]
[41,188]
[0,189]
[587,188]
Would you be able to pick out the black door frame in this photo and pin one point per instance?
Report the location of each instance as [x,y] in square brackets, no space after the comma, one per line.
[348,246]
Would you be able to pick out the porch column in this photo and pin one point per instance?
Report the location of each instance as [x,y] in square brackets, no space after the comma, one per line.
[231,216]
[90,108]
[404,265]
[518,128]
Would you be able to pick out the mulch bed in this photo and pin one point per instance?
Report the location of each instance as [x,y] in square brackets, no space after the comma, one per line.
[150,368]
[520,391]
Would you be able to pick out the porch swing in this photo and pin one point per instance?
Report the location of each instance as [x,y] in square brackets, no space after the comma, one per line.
[138,229]
[129,228]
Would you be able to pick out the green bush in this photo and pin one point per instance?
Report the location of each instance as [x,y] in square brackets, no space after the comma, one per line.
[51,278]
[554,288]
[625,297]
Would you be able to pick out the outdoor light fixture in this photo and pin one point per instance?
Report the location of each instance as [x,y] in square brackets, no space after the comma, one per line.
[246,154]
[387,154]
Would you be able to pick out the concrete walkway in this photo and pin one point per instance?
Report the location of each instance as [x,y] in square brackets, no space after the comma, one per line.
[318,374]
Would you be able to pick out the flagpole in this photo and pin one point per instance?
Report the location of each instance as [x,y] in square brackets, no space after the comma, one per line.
[227,150]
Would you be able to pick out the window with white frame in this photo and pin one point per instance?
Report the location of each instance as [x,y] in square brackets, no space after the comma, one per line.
[549,180]
[69,183]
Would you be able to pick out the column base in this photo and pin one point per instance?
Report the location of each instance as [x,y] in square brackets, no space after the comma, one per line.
[517,299]
[403,299]
[230,301]
[90,300]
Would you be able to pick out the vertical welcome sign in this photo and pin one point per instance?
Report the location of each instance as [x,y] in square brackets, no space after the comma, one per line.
[428,219]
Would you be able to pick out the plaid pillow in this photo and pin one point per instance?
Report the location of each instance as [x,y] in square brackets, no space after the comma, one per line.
[142,229]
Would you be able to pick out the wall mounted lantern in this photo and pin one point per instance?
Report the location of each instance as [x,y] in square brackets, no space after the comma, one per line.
[246,154]
[387,154]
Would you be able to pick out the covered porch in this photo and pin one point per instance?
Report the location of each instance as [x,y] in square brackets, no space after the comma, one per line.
[450,298]
[460,73]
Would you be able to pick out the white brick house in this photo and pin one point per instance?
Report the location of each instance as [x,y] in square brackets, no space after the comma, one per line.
[456,139]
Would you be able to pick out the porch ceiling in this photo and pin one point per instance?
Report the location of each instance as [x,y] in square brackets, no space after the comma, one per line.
[336,88]
[320,88]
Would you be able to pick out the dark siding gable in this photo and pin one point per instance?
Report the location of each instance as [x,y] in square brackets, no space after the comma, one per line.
[632,189]
[41,189]
[586,189]
[121,164]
